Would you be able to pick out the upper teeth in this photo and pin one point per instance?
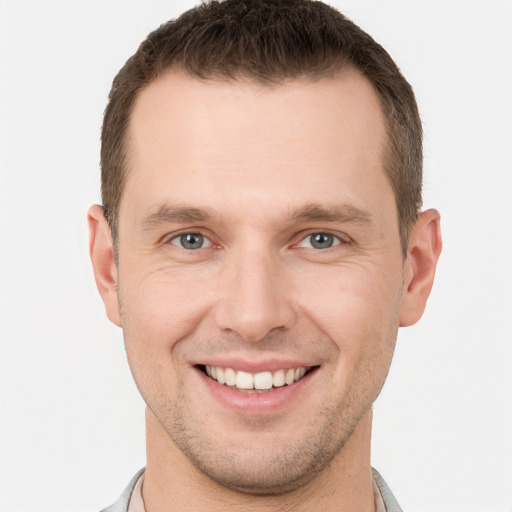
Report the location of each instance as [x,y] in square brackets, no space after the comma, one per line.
[261,380]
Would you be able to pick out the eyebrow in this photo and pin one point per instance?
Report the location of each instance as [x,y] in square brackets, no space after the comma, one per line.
[168,214]
[343,213]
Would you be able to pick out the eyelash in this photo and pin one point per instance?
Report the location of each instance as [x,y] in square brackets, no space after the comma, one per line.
[336,240]
[190,233]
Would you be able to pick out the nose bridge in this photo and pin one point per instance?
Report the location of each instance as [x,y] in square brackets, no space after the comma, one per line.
[254,298]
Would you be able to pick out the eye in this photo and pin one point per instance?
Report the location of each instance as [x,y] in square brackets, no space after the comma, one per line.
[191,241]
[320,241]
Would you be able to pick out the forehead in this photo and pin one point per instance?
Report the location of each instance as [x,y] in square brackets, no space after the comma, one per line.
[232,141]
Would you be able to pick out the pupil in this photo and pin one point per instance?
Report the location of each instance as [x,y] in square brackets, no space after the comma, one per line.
[191,241]
[321,241]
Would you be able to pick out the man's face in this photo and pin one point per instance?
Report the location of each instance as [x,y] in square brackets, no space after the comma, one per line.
[258,236]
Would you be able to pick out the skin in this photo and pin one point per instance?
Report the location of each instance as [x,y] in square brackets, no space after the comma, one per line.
[256,171]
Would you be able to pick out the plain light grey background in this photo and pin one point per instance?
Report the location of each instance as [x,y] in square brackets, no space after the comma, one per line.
[71,420]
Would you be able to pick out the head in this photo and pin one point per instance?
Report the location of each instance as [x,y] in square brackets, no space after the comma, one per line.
[261,179]
[268,43]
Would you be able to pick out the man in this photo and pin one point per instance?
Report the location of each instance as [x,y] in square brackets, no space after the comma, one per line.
[260,243]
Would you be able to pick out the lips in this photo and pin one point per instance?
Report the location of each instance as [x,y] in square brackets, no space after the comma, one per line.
[254,388]
[260,381]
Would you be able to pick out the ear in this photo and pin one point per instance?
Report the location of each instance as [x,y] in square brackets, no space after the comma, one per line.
[420,267]
[101,249]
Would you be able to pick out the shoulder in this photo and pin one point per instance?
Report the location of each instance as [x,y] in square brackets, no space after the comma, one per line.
[121,505]
[387,496]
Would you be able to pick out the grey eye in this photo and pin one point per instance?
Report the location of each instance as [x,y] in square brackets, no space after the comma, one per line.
[191,241]
[320,241]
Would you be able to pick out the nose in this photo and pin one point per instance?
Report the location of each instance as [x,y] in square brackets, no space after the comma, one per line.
[254,298]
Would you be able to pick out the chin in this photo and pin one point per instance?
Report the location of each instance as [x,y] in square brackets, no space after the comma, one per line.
[263,464]
[265,478]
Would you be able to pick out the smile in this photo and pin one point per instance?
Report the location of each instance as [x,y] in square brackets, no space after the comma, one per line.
[262,381]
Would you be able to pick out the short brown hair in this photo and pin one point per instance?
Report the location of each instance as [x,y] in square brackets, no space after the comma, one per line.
[269,42]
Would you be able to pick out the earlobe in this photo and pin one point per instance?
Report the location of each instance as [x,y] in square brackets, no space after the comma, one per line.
[425,245]
[102,257]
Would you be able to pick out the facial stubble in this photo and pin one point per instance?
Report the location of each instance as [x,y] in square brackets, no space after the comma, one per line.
[247,467]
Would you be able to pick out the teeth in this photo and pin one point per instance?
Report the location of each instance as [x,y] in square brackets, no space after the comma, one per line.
[278,379]
[221,376]
[230,376]
[263,380]
[244,380]
[260,381]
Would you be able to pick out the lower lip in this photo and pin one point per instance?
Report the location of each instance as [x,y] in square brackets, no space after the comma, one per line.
[254,402]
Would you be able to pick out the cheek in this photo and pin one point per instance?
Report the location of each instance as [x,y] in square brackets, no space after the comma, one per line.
[361,319]
[157,312]
[162,307]
[355,306]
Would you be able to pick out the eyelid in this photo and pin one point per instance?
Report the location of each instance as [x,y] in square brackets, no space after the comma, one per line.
[339,238]
[177,236]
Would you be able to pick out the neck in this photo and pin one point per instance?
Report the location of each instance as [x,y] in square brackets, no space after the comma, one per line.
[172,482]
